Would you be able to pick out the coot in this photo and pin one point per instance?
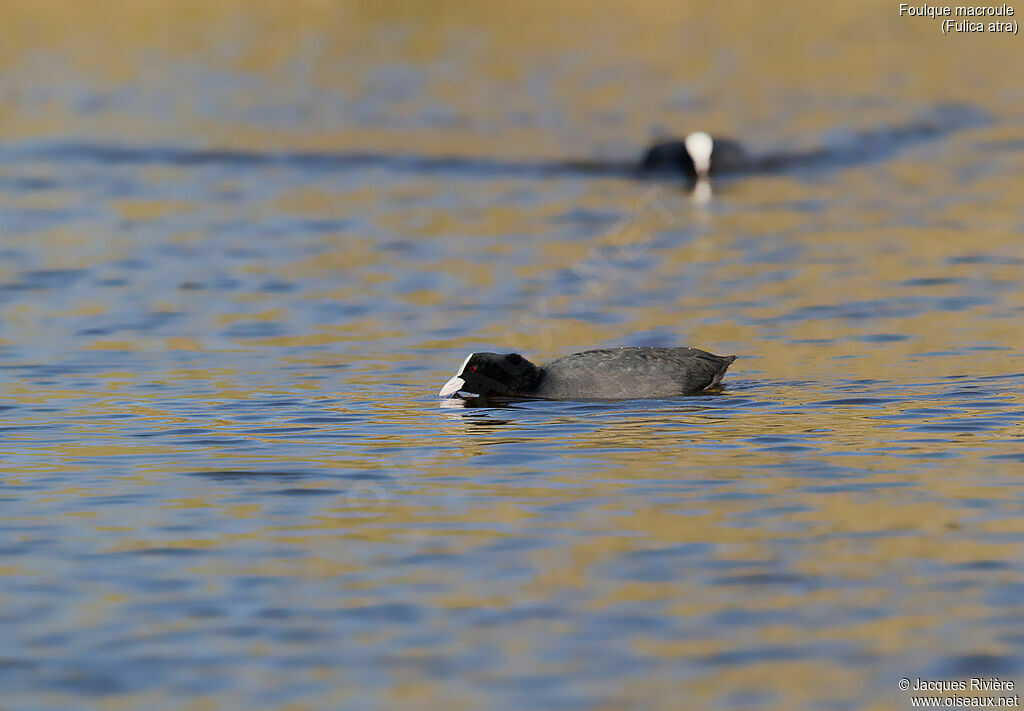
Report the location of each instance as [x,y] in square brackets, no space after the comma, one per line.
[698,156]
[609,374]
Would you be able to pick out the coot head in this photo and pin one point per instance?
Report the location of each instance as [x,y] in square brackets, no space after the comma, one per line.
[483,374]
[699,146]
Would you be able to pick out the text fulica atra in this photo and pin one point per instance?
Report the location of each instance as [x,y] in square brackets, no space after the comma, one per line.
[616,373]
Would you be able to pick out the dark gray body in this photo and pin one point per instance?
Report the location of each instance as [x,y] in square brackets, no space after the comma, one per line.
[671,157]
[621,373]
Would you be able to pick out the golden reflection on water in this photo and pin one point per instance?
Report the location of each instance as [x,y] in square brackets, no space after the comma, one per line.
[745,60]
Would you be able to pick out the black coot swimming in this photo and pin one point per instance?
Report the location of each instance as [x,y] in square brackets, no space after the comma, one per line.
[611,374]
[698,156]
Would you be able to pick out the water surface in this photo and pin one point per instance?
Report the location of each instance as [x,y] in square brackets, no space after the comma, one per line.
[227,481]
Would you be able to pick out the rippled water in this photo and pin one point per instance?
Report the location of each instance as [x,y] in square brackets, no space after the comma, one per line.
[228,482]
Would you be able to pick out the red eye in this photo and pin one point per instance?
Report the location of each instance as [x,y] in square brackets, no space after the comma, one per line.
[472,369]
